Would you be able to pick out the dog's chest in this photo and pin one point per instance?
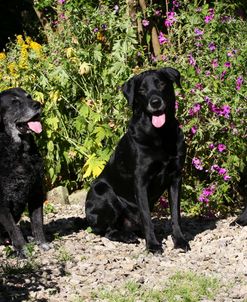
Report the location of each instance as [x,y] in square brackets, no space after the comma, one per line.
[21,168]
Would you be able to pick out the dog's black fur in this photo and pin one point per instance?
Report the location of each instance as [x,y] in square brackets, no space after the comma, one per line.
[148,159]
[21,167]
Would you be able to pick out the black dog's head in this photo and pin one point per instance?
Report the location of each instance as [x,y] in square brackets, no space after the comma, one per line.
[19,113]
[152,92]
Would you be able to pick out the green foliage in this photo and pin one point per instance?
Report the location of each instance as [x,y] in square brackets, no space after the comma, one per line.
[92,50]
[187,287]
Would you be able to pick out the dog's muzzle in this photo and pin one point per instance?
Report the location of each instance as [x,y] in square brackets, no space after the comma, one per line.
[156,107]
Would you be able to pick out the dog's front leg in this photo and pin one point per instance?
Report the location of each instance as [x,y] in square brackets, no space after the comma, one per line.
[15,234]
[36,216]
[174,200]
[152,243]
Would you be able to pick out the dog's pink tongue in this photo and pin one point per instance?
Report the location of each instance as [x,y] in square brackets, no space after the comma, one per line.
[158,121]
[35,126]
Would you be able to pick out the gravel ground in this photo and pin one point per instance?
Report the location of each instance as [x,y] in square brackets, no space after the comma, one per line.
[80,262]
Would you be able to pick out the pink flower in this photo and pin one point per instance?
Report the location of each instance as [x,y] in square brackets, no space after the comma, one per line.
[239,82]
[222,171]
[193,130]
[198,32]
[221,147]
[157,12]
[202,198]
[197,163]
[225,111]
[211,146]
[212,46]
[209,17]
[215,168]
[170,19]
[162,38]
[192,61]
[222,76]
[227,64]
[199,86]
[208,191]
[215,63]
[145,22]
[194,109]
[226,177]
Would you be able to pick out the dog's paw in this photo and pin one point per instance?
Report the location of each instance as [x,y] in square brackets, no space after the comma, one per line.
[155,249]
[21,253]
[181,243]
[131,238]
[239,221]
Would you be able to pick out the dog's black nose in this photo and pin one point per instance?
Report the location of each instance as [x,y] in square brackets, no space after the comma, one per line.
[155,103]
[36,105]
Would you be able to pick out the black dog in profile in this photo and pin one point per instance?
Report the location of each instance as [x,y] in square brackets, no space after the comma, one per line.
[148,159]
[21,167]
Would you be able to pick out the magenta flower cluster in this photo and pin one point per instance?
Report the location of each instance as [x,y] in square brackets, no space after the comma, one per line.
[206,192]
[210,16]
[196,108]
[219,147]
[224,110]
[197,163]
[221,171]
[170,19]
[162,38]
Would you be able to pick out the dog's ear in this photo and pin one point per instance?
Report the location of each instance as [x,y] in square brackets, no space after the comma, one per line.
[128,89]
[171,74]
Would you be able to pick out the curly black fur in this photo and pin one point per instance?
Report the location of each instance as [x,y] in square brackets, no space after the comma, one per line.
[21,166]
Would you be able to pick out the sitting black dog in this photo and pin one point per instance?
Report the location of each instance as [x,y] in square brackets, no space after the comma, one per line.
[21,167]
[148,159]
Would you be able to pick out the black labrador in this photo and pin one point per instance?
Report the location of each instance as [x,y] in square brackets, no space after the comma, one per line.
[21,167]
[148,159]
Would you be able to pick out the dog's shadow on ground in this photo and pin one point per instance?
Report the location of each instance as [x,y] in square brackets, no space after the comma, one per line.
[14,285]
[65,226]
[191,226]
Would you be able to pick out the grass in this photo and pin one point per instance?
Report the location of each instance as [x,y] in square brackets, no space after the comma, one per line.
[63,255]
[184,287]
[18,268]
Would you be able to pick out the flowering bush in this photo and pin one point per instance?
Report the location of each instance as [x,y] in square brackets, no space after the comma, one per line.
[202,43]
[92,49]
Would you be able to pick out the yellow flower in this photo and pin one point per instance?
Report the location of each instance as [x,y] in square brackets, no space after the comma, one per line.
[23,63]
[20,40]
[2,56]
[12,69]
[28,40]
[36,47]
[69,52]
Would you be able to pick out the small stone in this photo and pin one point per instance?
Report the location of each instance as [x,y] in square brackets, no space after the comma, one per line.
[58,195]
[78,197]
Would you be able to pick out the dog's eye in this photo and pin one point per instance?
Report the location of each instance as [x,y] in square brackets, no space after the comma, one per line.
[142,91]
[161,85]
